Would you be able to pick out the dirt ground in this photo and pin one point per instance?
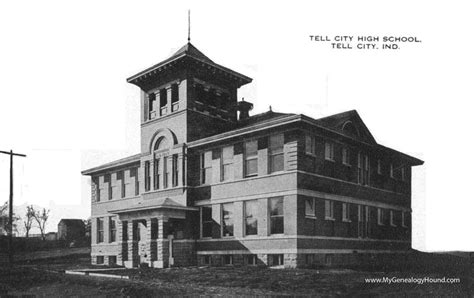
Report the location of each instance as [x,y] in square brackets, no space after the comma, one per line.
[46,279]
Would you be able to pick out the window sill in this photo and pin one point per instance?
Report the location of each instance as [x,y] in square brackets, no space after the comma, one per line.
[346,220]
[347,165]
[311,154]
[328,159]
[330,218]
[310,217]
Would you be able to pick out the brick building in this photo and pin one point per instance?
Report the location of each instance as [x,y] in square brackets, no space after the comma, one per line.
[213,185]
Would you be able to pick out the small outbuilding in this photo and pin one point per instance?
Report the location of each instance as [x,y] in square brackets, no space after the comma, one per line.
[71,229]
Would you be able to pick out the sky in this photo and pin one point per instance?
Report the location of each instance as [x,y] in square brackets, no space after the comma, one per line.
[66,104]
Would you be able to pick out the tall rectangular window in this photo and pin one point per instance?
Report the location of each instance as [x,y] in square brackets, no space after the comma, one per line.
[147,175]
[402,173]
[345,157]
[134,174]
[166,174]
[392,218]
[121,178]
[380,217]
[275,152]
[206,222]
[228,220]
[174,171]
[391,170]
[174,97]
[226,163]
[310,207]
[379,167]
[100,230]
[251,221]
[156,173]
[328,210]
[363,169]
[206,168]
[329,151]
[251,158]
[112,229]
[310,145]
[108,183]
[151,105]
[346,216]
[276,215]
[163,102]
[95,182]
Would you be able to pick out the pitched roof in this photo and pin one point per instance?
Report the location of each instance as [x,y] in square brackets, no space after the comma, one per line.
[190,51]
[349,123]
[262,117]
[113,164]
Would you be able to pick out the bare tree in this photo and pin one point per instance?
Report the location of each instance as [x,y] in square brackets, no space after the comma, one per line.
[41,217]
[4,216]
[28,221]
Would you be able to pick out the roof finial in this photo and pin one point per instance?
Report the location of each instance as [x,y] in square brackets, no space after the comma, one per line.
[189,25]
[270,108]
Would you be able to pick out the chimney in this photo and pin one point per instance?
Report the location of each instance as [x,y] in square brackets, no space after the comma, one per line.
[244,107]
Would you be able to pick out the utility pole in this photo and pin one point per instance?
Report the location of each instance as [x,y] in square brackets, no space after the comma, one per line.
[10,207]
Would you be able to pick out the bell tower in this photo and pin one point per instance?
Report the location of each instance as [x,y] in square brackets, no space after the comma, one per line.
[189,95]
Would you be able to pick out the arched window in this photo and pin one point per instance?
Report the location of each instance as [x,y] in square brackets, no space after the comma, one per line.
[349,128]
[160,144]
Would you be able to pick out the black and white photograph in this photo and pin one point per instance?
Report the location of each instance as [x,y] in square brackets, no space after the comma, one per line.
[236,148]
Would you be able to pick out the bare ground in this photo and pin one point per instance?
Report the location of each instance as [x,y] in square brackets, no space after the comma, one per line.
[45,279]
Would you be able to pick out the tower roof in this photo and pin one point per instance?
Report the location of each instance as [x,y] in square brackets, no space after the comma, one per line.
[188,51]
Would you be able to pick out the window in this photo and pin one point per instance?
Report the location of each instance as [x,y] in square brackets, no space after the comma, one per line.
[360,213]
[107,180]
[392,218]
[134,174]
[346,216]
[275,260]
[151,105]
[329,210]
[227,260]
[112,260]
[404,219]
[174,170]
[345,157]
[206,219]
[310,145]
[226,163]
[166,173]
[156,173]
[121,178]
[363,169]
[379,167]
[275,152]
[206,260]
[402,173]
[163,102]
[251,221]
[206,168]
[228,220]
[380,217]
[112,229]
[329,151]
[100,230]
[391,170]
[147,175]
[100,260]
[310,207]
[251,158]
[309,259]
[251,260]
[174,97]
[276,215]
[95,182]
